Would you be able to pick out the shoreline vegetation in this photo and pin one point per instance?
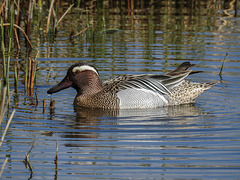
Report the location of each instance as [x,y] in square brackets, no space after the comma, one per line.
[19,20]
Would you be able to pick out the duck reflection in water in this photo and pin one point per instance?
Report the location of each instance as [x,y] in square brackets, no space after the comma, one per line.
[88,115]
[90,123]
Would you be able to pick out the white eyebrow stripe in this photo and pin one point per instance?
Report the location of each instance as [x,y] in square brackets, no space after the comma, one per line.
[84,68]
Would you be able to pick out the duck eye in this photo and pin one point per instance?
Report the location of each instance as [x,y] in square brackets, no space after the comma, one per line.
[77,71]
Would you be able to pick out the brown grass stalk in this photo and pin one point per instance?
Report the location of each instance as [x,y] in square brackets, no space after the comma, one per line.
[49,16]
[31,74]
[30,14]
[16,26]
[80,32]
[18,11]
[52,106]
[6,10]
[64,15]
[17,40]
[1,7]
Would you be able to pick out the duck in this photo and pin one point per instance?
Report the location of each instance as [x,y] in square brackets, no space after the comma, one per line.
[131,91]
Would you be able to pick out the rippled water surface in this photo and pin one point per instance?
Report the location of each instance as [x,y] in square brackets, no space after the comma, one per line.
[196,141]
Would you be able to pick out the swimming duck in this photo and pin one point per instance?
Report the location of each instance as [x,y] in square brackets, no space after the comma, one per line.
[131,91]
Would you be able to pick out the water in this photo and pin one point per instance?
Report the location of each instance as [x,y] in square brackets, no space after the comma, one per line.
[197,141]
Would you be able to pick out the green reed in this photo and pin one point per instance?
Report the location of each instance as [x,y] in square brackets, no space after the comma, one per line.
[6,40]
[6,62]
[3,50]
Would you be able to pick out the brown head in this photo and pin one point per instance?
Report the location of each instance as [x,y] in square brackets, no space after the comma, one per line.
[82,77]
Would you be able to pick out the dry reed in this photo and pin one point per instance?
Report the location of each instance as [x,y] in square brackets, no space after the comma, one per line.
[52,106]
[220,73]
[64,15]
[49,16]
[16,26]
[31,74]
[6,128]
[26,160]
[3,166]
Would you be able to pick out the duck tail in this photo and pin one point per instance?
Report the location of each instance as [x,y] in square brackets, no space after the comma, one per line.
[184,67]
[210,85]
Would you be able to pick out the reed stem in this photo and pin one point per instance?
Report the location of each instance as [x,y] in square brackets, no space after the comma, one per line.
[6,128]
[3,51]
[56,159]
[10,33]
[4,164]
[16,26]
[49,16]
[2,106]
[64,15]
[220,73]
[26,160]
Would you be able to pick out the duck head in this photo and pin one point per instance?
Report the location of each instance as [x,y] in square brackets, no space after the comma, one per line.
[82,77]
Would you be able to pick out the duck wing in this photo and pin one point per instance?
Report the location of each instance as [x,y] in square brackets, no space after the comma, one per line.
[147,90]
[143,91]
[161,84]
